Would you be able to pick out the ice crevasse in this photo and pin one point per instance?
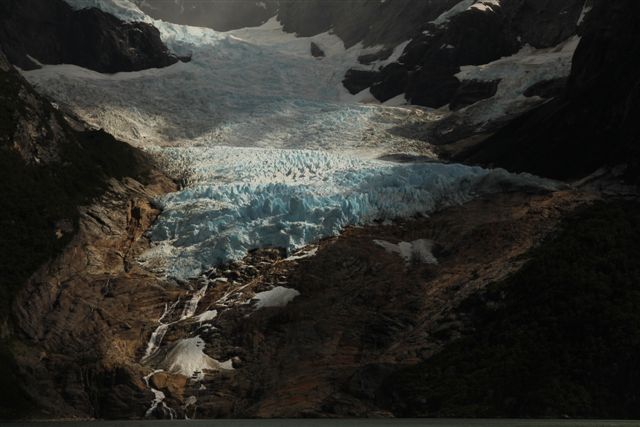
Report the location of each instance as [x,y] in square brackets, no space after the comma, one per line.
[244,198]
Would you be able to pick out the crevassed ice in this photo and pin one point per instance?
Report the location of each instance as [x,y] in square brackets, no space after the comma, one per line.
[242,198]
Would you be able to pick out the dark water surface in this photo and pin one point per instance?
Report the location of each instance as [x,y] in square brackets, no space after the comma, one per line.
[337,423]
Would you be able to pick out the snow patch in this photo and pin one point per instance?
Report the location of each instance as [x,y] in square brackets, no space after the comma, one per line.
[585,11]
[486,5]
[455,10]
[207,316]
[158,399]
[187,357]
[192,306]
[418,250]
[516,74]
[276,297]
[125,10]
[303,254]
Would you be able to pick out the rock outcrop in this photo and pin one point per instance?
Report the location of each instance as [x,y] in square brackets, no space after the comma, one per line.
[220,15]
[477,35]
[370,22]
[75,205]
[363,313]
[594,123]
[51,32]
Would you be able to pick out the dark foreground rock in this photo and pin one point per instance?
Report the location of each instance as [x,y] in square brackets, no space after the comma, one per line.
[557,338]
[363,315]
[51,32]
[75,205]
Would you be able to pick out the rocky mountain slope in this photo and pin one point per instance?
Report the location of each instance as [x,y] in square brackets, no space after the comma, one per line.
[220,15]
[514,297]
[593,123]
[53,169]
[51,32]
[354,21]
[470,33]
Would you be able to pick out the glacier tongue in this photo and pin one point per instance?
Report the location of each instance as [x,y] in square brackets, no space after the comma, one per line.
[244,198]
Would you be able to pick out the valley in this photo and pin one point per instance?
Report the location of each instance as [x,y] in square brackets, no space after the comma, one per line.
[289,248]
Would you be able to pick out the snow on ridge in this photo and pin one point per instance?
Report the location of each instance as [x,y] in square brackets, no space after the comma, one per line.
[455,10]
[464,5]
[516,74]
[121,9]
[486,5]
[585,11]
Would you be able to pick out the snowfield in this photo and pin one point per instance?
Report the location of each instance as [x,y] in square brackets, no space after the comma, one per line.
[274,150]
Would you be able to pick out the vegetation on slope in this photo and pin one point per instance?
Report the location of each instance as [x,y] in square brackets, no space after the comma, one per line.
[561,337]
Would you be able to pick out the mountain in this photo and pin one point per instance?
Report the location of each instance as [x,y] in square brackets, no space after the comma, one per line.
[354,21]
[51,32]
[470,33]
[256,241]
[53,171]
[220,15]
[591,124]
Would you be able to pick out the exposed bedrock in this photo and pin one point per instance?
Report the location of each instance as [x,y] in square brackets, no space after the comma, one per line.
[370,22]
[51,32]
[73,310]
[594,123]
[483,33]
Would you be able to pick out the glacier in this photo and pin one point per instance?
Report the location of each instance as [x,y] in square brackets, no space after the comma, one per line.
[240,199]
[271,148]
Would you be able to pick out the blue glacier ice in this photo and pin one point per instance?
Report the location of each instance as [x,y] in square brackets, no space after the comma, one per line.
[239,199]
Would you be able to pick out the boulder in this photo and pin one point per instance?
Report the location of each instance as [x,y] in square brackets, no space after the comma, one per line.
[472,91]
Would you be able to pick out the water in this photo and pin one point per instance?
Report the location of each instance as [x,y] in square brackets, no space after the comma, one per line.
[344,423]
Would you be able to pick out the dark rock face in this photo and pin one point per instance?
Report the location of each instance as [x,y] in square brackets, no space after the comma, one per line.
[372,22]
[221,15]
[547,88]
[74,201]
[316,51]
[473,37]
[370,58]
[358,80]
[394,79]
[537,349]
[595,123]
[472,91]
[51,32]
[364,315]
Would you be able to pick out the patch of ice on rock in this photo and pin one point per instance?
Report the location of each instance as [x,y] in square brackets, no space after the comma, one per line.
[187,357]
[276,297]
[418,250]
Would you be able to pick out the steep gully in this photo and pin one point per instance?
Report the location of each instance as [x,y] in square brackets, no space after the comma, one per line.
[173,363]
